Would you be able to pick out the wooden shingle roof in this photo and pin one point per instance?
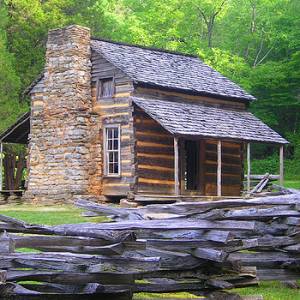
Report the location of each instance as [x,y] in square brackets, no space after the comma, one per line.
[191,119]
[165,69]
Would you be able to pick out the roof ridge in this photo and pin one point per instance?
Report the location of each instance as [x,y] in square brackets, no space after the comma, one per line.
[145,47]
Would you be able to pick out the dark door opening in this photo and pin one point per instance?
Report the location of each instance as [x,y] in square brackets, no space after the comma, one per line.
[192,165]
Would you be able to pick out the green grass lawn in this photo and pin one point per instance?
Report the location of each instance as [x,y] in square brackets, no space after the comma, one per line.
[54,215]
[293,183]
[47,215]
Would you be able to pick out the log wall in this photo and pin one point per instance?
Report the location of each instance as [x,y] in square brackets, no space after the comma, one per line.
[155,155]
[232,168]
[232,153]
[116,110]
[176,96]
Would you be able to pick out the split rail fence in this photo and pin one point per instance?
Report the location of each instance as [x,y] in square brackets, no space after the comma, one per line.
[198,247]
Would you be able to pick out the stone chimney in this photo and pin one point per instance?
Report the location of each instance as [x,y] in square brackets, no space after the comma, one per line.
[60,116]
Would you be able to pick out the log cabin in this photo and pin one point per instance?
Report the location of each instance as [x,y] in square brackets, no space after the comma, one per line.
[112,120]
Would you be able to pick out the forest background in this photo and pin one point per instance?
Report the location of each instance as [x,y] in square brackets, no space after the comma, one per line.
[256,43]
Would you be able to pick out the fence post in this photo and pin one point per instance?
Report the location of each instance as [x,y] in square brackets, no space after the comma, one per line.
[7,244]
[1,166]
[219,170]
[176,166]
[281,167]
[248,168]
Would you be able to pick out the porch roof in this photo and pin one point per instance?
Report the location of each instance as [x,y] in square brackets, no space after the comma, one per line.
[18,132]
[193,119]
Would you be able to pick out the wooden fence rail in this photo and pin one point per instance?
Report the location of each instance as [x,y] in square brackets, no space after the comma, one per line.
[198,246]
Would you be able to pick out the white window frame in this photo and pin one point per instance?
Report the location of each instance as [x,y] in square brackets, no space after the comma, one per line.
[106,151]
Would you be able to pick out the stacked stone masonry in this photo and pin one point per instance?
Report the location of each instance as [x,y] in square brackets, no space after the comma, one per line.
[61,116]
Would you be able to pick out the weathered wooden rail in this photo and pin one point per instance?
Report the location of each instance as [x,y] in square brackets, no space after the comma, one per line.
[198,246]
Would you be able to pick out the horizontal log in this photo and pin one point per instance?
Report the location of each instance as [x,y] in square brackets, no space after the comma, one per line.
[168,287]
[105,210]
[260,177]
[72,262]
[85,230]
[53,288]
[188,208]
[293,248]
[154,174]
[262,259]
[155,155]
[210,254]
[234,160]
[172,260]
[156,168]
[150,137]
[151,149]
[181,244]
[114,249]
[271,242]
[155,225]
[9,289]
[144,188]
[69,278]
[276,274]
[29,292]
[144,180]
[226,169]
[31,241]
[262,213]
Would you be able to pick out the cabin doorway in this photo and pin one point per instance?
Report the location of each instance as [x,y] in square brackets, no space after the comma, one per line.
[191,167]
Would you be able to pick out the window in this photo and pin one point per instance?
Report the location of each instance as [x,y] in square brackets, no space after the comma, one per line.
[105,88]
[112,150]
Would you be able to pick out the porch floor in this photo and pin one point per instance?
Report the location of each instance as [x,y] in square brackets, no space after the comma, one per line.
[165,199]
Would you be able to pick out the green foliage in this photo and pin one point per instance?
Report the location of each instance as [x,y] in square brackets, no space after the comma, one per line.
[9,81]
[254,42]
[270,290]
[271,165]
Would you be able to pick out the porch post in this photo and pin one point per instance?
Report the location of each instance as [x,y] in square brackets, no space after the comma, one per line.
[176,166]
[219,170]
[281,167]
[1,166]
[248,167]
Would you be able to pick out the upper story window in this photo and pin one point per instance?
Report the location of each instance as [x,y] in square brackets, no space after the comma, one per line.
[106,88]
[112,150]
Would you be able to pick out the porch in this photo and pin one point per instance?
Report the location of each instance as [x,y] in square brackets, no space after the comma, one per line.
[211,148]
[13,151]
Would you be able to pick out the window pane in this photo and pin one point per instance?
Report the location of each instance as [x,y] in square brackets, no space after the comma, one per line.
[109,133]
[112,151]
[111,157]
[116,133]
[116,144]
[116,168]
[107,87]
[111,169]
[116,157]
[109,145]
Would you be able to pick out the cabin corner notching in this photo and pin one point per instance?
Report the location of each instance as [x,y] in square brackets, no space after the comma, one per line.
[121,120]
